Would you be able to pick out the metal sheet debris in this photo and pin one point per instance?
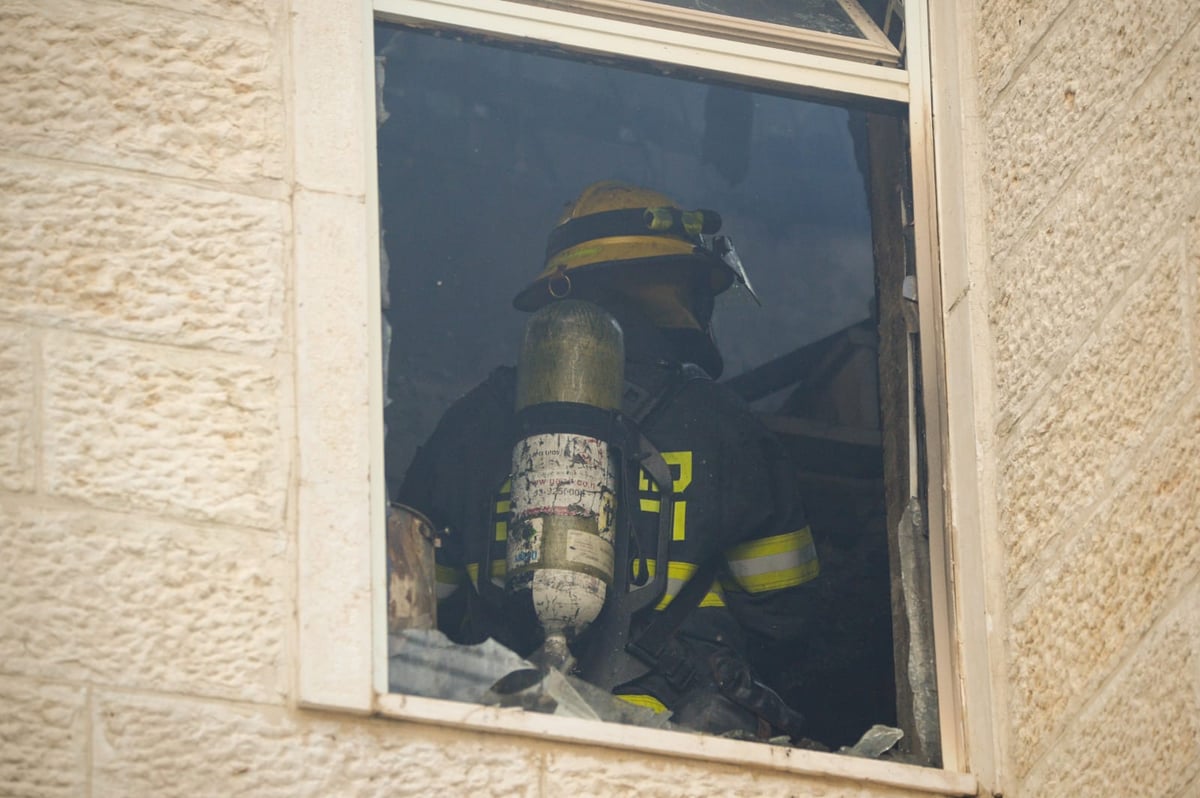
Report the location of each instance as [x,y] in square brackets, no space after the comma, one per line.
[424,662]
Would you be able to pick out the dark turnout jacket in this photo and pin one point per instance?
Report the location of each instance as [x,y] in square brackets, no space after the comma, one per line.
[736,518]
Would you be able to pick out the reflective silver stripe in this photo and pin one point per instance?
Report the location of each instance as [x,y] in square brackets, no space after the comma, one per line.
[774,563]
[743,569]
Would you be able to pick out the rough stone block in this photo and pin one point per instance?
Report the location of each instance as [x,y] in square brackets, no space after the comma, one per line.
[1189,790]
[1106,587]
[43,739]
[571,773]
[185,433]
[1069,451]
[140,259]
[1085,72]
[1141,736]
[1119,207]
[128,86]
[263,12]
[161,747]
[121,600]
[1010,30]
[16,409]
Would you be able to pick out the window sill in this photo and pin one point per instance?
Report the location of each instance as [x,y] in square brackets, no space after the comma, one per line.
[517,722]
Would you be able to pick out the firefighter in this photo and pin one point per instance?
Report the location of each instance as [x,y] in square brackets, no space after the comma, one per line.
[739,547]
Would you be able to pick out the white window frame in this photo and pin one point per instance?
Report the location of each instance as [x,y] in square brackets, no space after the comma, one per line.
[340,498]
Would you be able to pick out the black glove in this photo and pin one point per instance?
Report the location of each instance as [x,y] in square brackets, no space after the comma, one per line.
[738,684]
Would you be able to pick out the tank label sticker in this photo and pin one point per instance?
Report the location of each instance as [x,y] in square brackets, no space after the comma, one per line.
[589,549]
[525,544]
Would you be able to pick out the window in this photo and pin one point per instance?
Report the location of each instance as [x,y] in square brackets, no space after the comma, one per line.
[500,138]
[844,92]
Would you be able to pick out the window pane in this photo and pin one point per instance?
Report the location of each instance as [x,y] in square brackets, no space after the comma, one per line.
[481,148]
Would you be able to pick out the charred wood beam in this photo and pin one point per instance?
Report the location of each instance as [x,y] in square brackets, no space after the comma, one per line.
[808,364]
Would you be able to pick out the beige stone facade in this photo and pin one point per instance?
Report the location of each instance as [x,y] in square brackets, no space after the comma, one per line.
[1092,166]
[162,245]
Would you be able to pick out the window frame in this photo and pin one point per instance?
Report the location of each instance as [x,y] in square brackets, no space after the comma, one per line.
[340,499]
[753,64]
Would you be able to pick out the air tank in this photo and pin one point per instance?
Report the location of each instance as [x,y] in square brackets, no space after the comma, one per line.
[570,378]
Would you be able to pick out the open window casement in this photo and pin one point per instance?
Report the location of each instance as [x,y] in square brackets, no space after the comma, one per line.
[838,28]
[491,115]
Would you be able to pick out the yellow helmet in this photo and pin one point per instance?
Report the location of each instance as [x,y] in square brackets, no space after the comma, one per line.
[635,240]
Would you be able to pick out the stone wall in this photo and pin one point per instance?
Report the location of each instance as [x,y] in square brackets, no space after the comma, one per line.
[1091,131]
[144,380]
[148,464]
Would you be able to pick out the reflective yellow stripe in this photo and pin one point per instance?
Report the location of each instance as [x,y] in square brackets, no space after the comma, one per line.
[776,544]
[677,575]
[647,701]
[446,580]
[774,563]
[447,575]
[503,507]
[650,568]
[680,570]
[679,525]
[650,505]
[714,597]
